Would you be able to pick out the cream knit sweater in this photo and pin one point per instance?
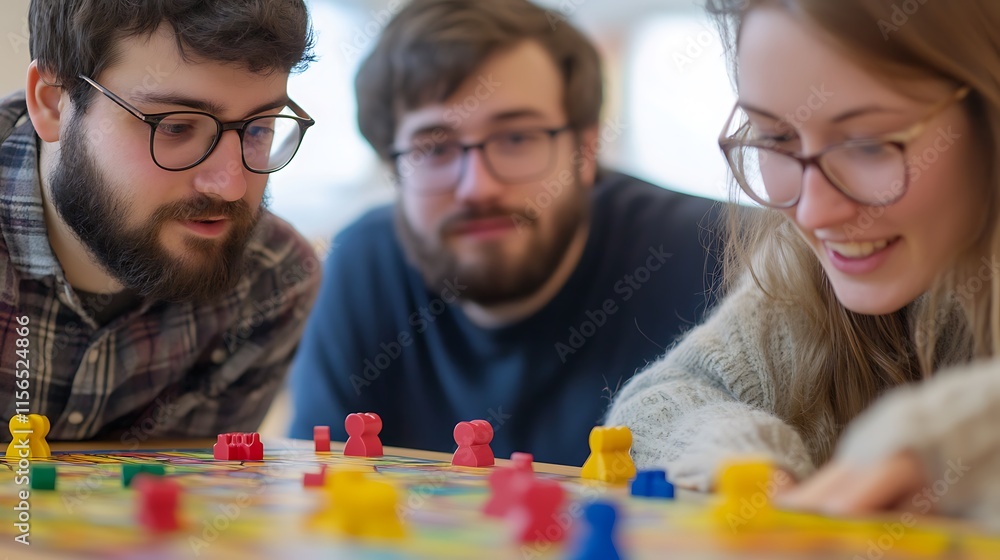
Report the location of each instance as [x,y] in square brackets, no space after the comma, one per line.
[713,396]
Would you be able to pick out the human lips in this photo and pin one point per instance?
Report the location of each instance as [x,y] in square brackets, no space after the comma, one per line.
[858,249]
[859,257]
[483,227]
[207,227]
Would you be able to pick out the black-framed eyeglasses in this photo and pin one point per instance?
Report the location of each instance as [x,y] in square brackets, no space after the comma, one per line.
[872,172]
[511,157]
[180,140]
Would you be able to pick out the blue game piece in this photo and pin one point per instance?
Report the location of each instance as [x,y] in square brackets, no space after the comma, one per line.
[597,539]
[652,484]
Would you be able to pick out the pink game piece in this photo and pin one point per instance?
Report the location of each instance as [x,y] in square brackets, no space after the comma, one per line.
[321,436]
[473,439]
[236,446]
[254,447]
[158,499]
[362,435]
[533,515]
[315,479]
[221,449]
[522,461]
[507,485]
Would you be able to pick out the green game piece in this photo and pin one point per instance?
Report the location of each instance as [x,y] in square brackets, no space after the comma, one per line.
[43,477]
[129,470]
[154,469]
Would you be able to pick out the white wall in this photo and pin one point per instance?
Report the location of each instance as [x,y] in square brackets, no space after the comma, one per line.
[13,45]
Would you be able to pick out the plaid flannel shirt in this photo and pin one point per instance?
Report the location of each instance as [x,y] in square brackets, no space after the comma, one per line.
[164,369]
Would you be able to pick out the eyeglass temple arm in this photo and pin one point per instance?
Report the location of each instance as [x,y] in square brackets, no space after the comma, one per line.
[300,112]
[121,102]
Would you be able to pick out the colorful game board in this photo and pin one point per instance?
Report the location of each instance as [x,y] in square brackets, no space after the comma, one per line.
[244,510]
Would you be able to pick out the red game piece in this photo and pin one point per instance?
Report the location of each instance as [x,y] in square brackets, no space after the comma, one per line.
[507,485]
[362,435]
[254,447]
[321,436]
[315,479]
[522,461]
[221,449]
[157,502]
[473,439]
[533,515]
[237,446]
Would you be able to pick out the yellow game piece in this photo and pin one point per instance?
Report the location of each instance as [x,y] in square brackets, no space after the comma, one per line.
[28,433]
[40,426]
[336,480]
[609,459]
[360,507]
[745,490]
[375,504]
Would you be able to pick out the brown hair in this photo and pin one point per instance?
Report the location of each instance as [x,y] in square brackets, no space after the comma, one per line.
[74,37]
[848,359]
[432,46]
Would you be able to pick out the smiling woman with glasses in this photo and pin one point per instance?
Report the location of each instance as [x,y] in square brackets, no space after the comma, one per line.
[860,335]
[180,140]
[872,172]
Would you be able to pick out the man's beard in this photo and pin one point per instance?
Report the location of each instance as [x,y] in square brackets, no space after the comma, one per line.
[135,257]
[493,281]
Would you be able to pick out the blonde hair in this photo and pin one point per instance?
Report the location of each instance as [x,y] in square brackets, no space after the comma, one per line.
[848,359]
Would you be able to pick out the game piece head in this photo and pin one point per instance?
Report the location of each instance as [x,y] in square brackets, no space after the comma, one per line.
[610,438]
[373,423]
[475,432]
[744,477]
[337,480]
[354,424]
[19,422]
[522,461]
[39,425]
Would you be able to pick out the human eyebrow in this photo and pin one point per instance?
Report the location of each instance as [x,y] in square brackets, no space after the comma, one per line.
[434,129]
[203,105]
[517,114]
[842,117]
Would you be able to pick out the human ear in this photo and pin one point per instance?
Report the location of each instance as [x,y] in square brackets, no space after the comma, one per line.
[46,102]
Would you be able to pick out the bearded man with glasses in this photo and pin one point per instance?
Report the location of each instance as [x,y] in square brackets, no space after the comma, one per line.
[513,280]
[153,292]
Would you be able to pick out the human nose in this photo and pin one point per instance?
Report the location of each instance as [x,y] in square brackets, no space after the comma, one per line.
[821,205]
[476,182]
[222,174]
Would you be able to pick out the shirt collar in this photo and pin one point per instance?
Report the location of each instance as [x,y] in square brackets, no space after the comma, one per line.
[22,211]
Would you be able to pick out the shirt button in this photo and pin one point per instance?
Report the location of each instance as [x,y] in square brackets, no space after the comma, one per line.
[75,418]
[219,355]
[93,355]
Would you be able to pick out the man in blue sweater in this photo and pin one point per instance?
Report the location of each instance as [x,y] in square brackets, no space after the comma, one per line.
[513,280]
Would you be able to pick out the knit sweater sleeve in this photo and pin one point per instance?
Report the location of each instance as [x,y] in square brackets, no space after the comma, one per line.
[951,422]
[712,397]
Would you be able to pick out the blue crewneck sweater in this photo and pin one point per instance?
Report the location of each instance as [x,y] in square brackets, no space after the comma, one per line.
[379,341]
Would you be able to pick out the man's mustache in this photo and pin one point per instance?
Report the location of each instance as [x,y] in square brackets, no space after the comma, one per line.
[203,208]
[460,219]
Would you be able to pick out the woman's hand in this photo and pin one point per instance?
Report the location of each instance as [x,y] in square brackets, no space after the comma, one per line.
[843,489]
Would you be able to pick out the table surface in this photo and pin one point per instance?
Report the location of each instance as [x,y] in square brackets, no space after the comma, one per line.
[335,446]
[277,445]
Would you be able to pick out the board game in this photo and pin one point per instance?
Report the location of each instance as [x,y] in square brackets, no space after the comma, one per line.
[260,509]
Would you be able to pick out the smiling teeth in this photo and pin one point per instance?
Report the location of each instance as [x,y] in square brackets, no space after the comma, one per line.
[858,250]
